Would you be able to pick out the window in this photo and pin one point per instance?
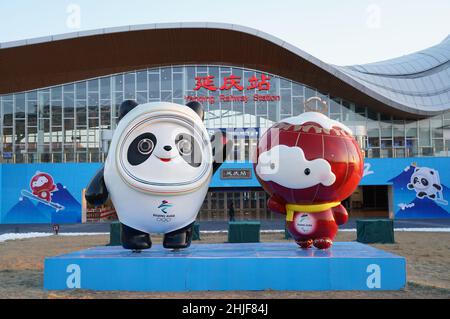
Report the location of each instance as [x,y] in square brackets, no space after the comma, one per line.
[105,88]
[130,86]
[141,81]
[80,89]
[166,79]
[153,84]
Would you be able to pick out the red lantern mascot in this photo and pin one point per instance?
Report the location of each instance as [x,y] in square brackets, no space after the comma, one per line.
[309,164]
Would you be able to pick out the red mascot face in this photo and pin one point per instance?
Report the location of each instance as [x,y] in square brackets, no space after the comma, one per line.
[42,182]
[309,159]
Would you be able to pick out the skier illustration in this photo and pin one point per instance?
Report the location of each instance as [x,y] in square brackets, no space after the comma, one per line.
[42,186]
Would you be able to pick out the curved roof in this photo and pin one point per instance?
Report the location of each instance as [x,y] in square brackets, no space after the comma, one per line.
[420,80]
[412,86]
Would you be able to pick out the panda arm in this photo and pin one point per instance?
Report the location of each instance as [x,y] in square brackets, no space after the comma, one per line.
[438,187]
[96,192]
[221,147]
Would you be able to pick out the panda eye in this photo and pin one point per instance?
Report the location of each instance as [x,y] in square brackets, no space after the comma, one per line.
[141,148]
[145,146]
[416,180]
[189,149]
[184,147]
[424,182]
[307,171]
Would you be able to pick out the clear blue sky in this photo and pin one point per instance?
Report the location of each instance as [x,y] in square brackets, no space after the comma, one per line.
[340,32]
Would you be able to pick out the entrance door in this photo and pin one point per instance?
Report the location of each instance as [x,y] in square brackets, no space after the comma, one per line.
[375,202]
[248,205]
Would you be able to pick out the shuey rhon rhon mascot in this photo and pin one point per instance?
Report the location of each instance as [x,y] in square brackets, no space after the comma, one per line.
[309,164]
[157,171]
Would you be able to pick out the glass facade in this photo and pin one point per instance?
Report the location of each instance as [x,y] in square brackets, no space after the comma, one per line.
[65,123]
[247,205]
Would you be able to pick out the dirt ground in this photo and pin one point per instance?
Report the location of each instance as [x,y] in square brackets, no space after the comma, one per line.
[427,254]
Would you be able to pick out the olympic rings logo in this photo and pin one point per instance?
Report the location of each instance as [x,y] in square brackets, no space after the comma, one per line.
[163,219]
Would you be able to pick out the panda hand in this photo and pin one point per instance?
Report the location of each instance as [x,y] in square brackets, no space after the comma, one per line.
[96,192]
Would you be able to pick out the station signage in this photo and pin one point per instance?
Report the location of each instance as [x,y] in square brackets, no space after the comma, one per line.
[237,133]
[260,86]
[236,173]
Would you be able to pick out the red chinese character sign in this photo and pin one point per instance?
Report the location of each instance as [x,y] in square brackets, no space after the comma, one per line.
[309,164]
[261,84]
[230,82]
[233,82]
[206,82]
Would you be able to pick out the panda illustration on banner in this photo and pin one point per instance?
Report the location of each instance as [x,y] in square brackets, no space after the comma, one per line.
[426,183]
[157,172]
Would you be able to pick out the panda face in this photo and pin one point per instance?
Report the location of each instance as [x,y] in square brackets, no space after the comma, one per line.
[163,152]
[185,146]
[423,179]
[421,182]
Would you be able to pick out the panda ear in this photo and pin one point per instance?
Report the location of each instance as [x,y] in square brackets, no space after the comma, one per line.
[126,107]
[197,108]
[417,169]
[431,172]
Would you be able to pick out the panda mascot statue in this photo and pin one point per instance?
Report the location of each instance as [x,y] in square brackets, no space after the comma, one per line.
[157,171]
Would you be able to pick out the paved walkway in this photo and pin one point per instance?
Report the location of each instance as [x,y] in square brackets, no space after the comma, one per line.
[276,224]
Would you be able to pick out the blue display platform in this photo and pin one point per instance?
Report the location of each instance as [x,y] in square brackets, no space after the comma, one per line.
[255,266]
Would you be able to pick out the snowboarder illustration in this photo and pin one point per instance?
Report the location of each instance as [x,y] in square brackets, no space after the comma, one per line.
[42,186]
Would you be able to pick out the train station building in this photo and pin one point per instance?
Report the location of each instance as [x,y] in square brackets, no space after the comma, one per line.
[59,99]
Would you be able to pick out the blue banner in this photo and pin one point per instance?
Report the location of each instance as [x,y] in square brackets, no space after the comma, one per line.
[420,185]
[43,193]
[51,193]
